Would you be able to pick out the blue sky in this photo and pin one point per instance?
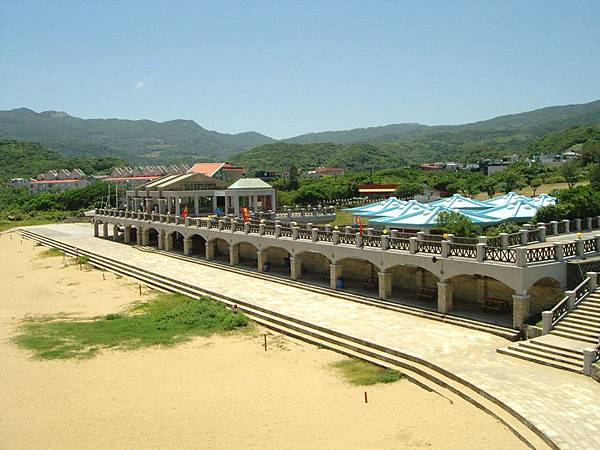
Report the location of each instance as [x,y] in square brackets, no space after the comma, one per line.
[288,67]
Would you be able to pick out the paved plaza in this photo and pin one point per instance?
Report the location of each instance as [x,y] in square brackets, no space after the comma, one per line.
[565,406]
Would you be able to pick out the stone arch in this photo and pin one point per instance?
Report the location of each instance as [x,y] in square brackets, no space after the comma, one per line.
[176,243]
[312,267]
[153,236]
[221,249]
[482,298]
[545,293]
[198,245]
[414,285]
[360,275]
[247,254]
[277,259]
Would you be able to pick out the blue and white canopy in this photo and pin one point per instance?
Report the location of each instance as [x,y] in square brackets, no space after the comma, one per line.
[543,200]
[389,205]
[409,207]
[363,207]
[428,218]
[519,210]
[504,199]
[457,201]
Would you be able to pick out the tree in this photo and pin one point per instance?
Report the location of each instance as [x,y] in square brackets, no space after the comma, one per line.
[489,187]
[570,172]
[408,189]
[293,183]
[455,223]
[510,182]
[534,184]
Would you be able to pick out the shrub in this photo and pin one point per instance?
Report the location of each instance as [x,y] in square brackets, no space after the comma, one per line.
[457,224]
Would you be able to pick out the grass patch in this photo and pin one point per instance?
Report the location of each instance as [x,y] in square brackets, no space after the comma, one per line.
[166,321]
[362,373]
[51,252]
[83,259]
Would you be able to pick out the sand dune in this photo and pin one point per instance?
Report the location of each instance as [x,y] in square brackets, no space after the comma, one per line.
[215,392]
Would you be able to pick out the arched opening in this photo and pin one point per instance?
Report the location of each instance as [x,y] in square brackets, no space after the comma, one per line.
[545,294]
[358,275]
[312,267]
[177,241]
[153,237]
[198,246]
[482,298]
[133,235]
[221,247]
[248,255]
[277,260]
[414,286]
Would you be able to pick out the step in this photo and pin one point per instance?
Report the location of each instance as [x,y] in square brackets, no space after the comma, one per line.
[559,346]
[576,337]
[563,354]
[578,326]
[425,375]
[589,309]
[590,306]
[576,330]
[581,324]
[543,353]
[585,314]
[539,360]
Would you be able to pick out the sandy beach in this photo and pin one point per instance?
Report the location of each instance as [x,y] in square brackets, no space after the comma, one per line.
[220,392]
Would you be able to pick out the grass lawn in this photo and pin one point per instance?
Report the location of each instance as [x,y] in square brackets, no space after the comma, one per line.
[7,224]
[165,321]
[342,218]
[362,373]
[51,252]
[543,189]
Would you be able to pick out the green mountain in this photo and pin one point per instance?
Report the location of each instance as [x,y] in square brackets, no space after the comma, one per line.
[20,159]
[133,140]
[582,137]
[501,135]
[280,155]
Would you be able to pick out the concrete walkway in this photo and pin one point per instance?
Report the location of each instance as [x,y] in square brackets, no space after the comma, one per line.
[565,406]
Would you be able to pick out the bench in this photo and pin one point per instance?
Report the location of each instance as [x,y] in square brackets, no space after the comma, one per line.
[427,294]
[491,304]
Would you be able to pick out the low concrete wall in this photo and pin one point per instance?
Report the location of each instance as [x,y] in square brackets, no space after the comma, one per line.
[596,372]
[531,331]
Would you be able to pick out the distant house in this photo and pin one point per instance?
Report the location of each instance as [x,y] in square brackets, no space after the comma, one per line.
[19,182]
[131,177]
[326,172]
[265,176]
[37,186]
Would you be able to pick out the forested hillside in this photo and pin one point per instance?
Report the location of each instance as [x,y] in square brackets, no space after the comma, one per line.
[134,140]
[27,159]
[280,155]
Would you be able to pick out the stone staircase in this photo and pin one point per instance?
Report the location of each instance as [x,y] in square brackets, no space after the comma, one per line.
[583,323]
[563,347]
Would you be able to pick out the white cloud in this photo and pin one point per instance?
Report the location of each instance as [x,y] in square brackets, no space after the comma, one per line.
[141,84]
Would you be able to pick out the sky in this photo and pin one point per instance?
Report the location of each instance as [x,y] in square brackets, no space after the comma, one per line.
[284,68]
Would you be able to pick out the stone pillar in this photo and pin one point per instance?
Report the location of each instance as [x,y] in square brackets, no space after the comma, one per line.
[554,227]
[567,223]
[196,206]
[295,267]
[521,305]
[414,245]
[445,249]
[542,233]
[145,237]
[504,240]
[444,299]
[210,250]
[578,224]
[260,259]
[127,234]
[580,248]
[226,204]
[139,235]
[385,284]
[480,257]
[558,251]
[177,206]
[168,241]
[234,255]
[524,236]
[162,206]
[187,247]
[335,271]
[105,230]
[161,239]
[588,223]
[96,229]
